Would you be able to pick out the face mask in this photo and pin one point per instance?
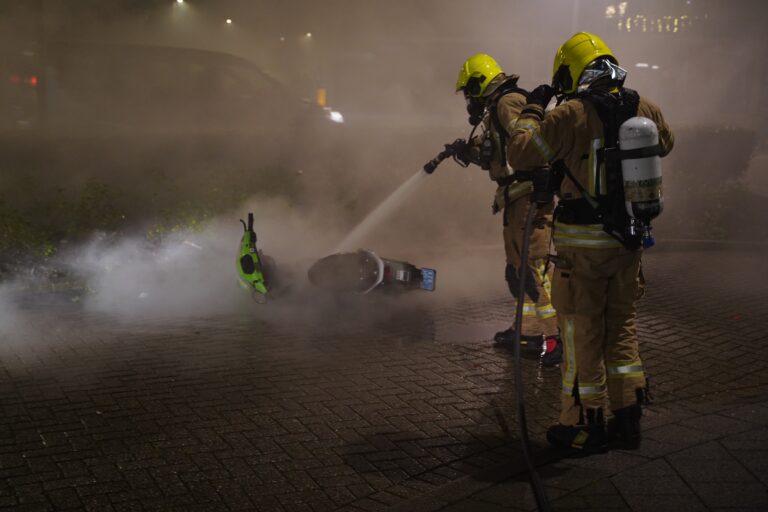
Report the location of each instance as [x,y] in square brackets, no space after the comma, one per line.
[475,109]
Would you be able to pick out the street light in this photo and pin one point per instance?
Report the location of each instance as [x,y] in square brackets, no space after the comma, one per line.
[229,21]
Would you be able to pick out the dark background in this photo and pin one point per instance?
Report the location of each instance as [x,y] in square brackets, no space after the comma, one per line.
[390,69]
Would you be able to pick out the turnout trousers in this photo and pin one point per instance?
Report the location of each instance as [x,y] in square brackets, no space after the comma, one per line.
[537,298]
[595,291]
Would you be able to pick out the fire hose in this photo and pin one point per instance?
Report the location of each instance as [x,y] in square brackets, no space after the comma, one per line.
[542,177]
[542,196]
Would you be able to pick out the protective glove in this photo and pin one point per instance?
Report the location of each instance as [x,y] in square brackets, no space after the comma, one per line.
[461,151]
[541,95]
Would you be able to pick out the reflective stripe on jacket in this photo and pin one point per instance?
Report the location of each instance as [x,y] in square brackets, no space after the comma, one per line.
[583,235]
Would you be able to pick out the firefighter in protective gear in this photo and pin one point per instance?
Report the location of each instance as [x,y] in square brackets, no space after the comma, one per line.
[597,277]
[494,102]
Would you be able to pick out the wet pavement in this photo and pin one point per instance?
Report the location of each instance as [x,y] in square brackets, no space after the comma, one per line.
[412,409]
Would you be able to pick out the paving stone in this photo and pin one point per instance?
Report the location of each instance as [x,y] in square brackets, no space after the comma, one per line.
[63,499]
[611,462]
[756,439]
[656,477]
[754,413]
[602,495]
[755,461]
[737,495]
[515,493]
[665,503]
[566,477]
[716,424]
[375,415]
[725,471]
[571,502]
[731,509]
[671,438]
[472,505]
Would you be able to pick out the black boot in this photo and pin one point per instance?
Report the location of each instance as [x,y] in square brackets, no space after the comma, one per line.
[552,353]
[588,438]
[507,337]
[624,427]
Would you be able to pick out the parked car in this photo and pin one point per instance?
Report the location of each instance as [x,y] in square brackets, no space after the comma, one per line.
[136,96]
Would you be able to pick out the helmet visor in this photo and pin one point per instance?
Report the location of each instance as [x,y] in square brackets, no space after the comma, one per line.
[604,71]
[474,86]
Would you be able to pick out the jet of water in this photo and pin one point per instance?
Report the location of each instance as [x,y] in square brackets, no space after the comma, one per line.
[381,213]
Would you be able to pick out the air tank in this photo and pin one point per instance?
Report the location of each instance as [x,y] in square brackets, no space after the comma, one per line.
[641,173]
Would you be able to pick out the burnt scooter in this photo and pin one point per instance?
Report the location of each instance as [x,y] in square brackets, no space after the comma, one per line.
[363,272]
[360,272]
[257,271]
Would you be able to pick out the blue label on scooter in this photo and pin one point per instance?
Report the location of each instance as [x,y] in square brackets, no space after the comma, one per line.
[428,277]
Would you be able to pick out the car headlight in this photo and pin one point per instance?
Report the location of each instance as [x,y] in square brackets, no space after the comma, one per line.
[333,115]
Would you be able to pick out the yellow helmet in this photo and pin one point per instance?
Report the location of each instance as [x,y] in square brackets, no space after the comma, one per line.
[573,57]
[476,73]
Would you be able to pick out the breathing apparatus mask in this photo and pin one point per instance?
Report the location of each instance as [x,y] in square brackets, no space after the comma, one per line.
[475,109]
[475,102]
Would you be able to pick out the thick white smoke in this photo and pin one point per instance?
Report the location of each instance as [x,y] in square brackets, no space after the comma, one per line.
[192,273]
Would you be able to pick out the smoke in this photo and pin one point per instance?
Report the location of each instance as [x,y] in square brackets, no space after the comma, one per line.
[193,273]
[15,324]
[756,176]
[389,68]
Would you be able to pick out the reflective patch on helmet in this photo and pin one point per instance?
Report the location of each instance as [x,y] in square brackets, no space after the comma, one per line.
[601,69]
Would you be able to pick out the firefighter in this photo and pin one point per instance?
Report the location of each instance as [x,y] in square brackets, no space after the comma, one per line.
[597,276]
[494,101]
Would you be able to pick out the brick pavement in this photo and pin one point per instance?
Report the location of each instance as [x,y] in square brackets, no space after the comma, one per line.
[409,410]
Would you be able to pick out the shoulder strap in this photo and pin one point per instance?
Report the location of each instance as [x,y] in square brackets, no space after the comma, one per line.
[508,87]
[613,110]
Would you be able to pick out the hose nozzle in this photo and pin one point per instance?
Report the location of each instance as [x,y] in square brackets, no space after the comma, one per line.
[450,150]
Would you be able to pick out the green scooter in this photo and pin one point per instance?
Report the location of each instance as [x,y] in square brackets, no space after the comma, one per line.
[251,264]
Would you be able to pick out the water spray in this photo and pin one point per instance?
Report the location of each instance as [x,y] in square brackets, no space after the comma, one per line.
[392,203]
